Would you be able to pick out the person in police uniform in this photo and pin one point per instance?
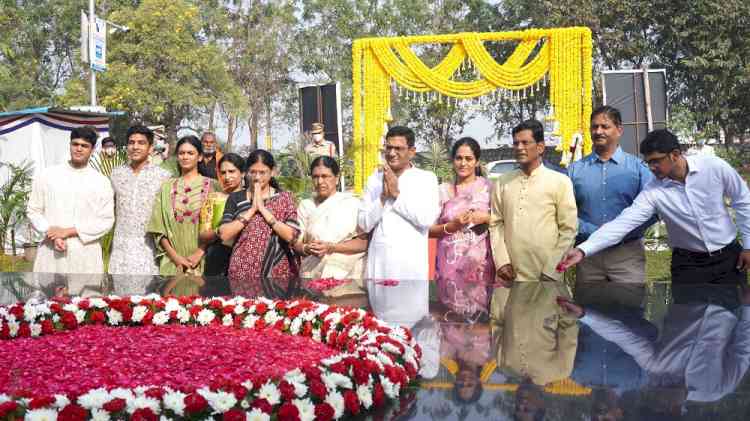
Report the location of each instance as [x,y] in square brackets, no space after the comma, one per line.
[319,145]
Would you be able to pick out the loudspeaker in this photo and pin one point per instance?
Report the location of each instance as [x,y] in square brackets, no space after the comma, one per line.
[318,104]
[642,102]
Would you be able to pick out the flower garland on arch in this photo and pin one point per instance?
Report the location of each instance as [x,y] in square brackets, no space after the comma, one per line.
[563,56]
[375,363]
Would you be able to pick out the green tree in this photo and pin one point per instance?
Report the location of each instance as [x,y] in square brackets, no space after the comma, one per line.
[38,50]
[259,40]
[164,70]
[705,46]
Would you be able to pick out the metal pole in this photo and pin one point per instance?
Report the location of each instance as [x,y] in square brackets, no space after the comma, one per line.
[91,68]
[340,134]
[647,97]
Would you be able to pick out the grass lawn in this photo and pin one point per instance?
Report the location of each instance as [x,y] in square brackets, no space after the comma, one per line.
[14,264]
[657,265]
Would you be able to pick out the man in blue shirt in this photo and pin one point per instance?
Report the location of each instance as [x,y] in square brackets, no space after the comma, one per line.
[605,182]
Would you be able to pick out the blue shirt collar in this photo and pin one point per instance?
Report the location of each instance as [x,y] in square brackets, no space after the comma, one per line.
[617,157]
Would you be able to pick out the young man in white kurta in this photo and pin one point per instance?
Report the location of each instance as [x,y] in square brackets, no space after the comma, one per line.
[399,227]
[72,204]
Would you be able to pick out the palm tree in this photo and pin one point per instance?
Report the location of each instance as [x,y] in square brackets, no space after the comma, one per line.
[14,195]
[106,165]
[294,164]
[436,159]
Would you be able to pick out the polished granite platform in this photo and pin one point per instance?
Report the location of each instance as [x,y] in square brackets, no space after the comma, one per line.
[655,352]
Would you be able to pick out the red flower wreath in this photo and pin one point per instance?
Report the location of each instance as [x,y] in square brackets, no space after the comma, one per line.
[371,361]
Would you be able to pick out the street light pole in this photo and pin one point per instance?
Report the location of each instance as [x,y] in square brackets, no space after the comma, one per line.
[91,68]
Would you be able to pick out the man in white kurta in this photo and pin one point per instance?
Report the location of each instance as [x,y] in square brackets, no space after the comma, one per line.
[400,204]
[72,205]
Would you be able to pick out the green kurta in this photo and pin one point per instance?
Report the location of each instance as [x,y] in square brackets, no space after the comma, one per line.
[164,220]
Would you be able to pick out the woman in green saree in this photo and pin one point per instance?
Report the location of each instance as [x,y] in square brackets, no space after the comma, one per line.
[175,218]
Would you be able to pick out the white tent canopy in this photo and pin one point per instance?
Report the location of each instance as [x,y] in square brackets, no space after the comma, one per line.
[41,136]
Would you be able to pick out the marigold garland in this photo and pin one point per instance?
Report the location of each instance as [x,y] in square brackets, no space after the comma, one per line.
[561,54]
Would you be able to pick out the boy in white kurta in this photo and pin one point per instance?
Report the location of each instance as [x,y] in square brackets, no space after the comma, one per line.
[72,205]
[399,206]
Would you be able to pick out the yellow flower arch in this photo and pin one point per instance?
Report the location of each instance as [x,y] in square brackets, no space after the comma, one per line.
[563,57]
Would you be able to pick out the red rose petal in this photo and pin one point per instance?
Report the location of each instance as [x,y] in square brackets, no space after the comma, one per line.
[190,356]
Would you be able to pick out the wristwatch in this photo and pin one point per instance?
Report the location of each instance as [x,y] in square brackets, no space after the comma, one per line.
[242,219]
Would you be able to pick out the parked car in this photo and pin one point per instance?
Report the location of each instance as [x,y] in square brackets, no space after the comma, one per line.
[495,169]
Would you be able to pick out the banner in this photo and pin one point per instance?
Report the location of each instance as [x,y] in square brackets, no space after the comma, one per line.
[98,45]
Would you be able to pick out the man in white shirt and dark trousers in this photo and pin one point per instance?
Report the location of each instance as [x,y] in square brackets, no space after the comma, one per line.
[689,195]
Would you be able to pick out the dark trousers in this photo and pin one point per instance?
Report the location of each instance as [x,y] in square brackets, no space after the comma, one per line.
[704,278]
[215,272]
[704,268]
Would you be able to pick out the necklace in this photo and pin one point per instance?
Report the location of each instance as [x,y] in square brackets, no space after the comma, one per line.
[181,201]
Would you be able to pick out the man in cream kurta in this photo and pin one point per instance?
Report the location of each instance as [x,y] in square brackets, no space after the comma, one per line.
[533,217]
[400,204]
[73,206]
[539,339]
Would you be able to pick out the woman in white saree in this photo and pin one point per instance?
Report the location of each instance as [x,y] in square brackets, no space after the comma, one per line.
[330,244]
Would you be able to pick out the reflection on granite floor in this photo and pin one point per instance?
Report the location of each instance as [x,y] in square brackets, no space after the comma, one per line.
[639,353]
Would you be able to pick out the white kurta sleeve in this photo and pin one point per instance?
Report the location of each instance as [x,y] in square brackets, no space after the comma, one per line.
[100,202]
[36,205]
[419,201]
[371,210]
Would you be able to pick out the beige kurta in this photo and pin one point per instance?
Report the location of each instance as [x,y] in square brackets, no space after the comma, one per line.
[533,222]
[65,197]
[539,340]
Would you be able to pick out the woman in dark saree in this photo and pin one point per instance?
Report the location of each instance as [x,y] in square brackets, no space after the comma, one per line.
[263,220]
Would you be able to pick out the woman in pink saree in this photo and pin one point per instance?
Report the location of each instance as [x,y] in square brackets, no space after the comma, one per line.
[465,271]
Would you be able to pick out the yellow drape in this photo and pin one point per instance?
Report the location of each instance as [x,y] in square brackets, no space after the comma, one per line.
[563,55]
